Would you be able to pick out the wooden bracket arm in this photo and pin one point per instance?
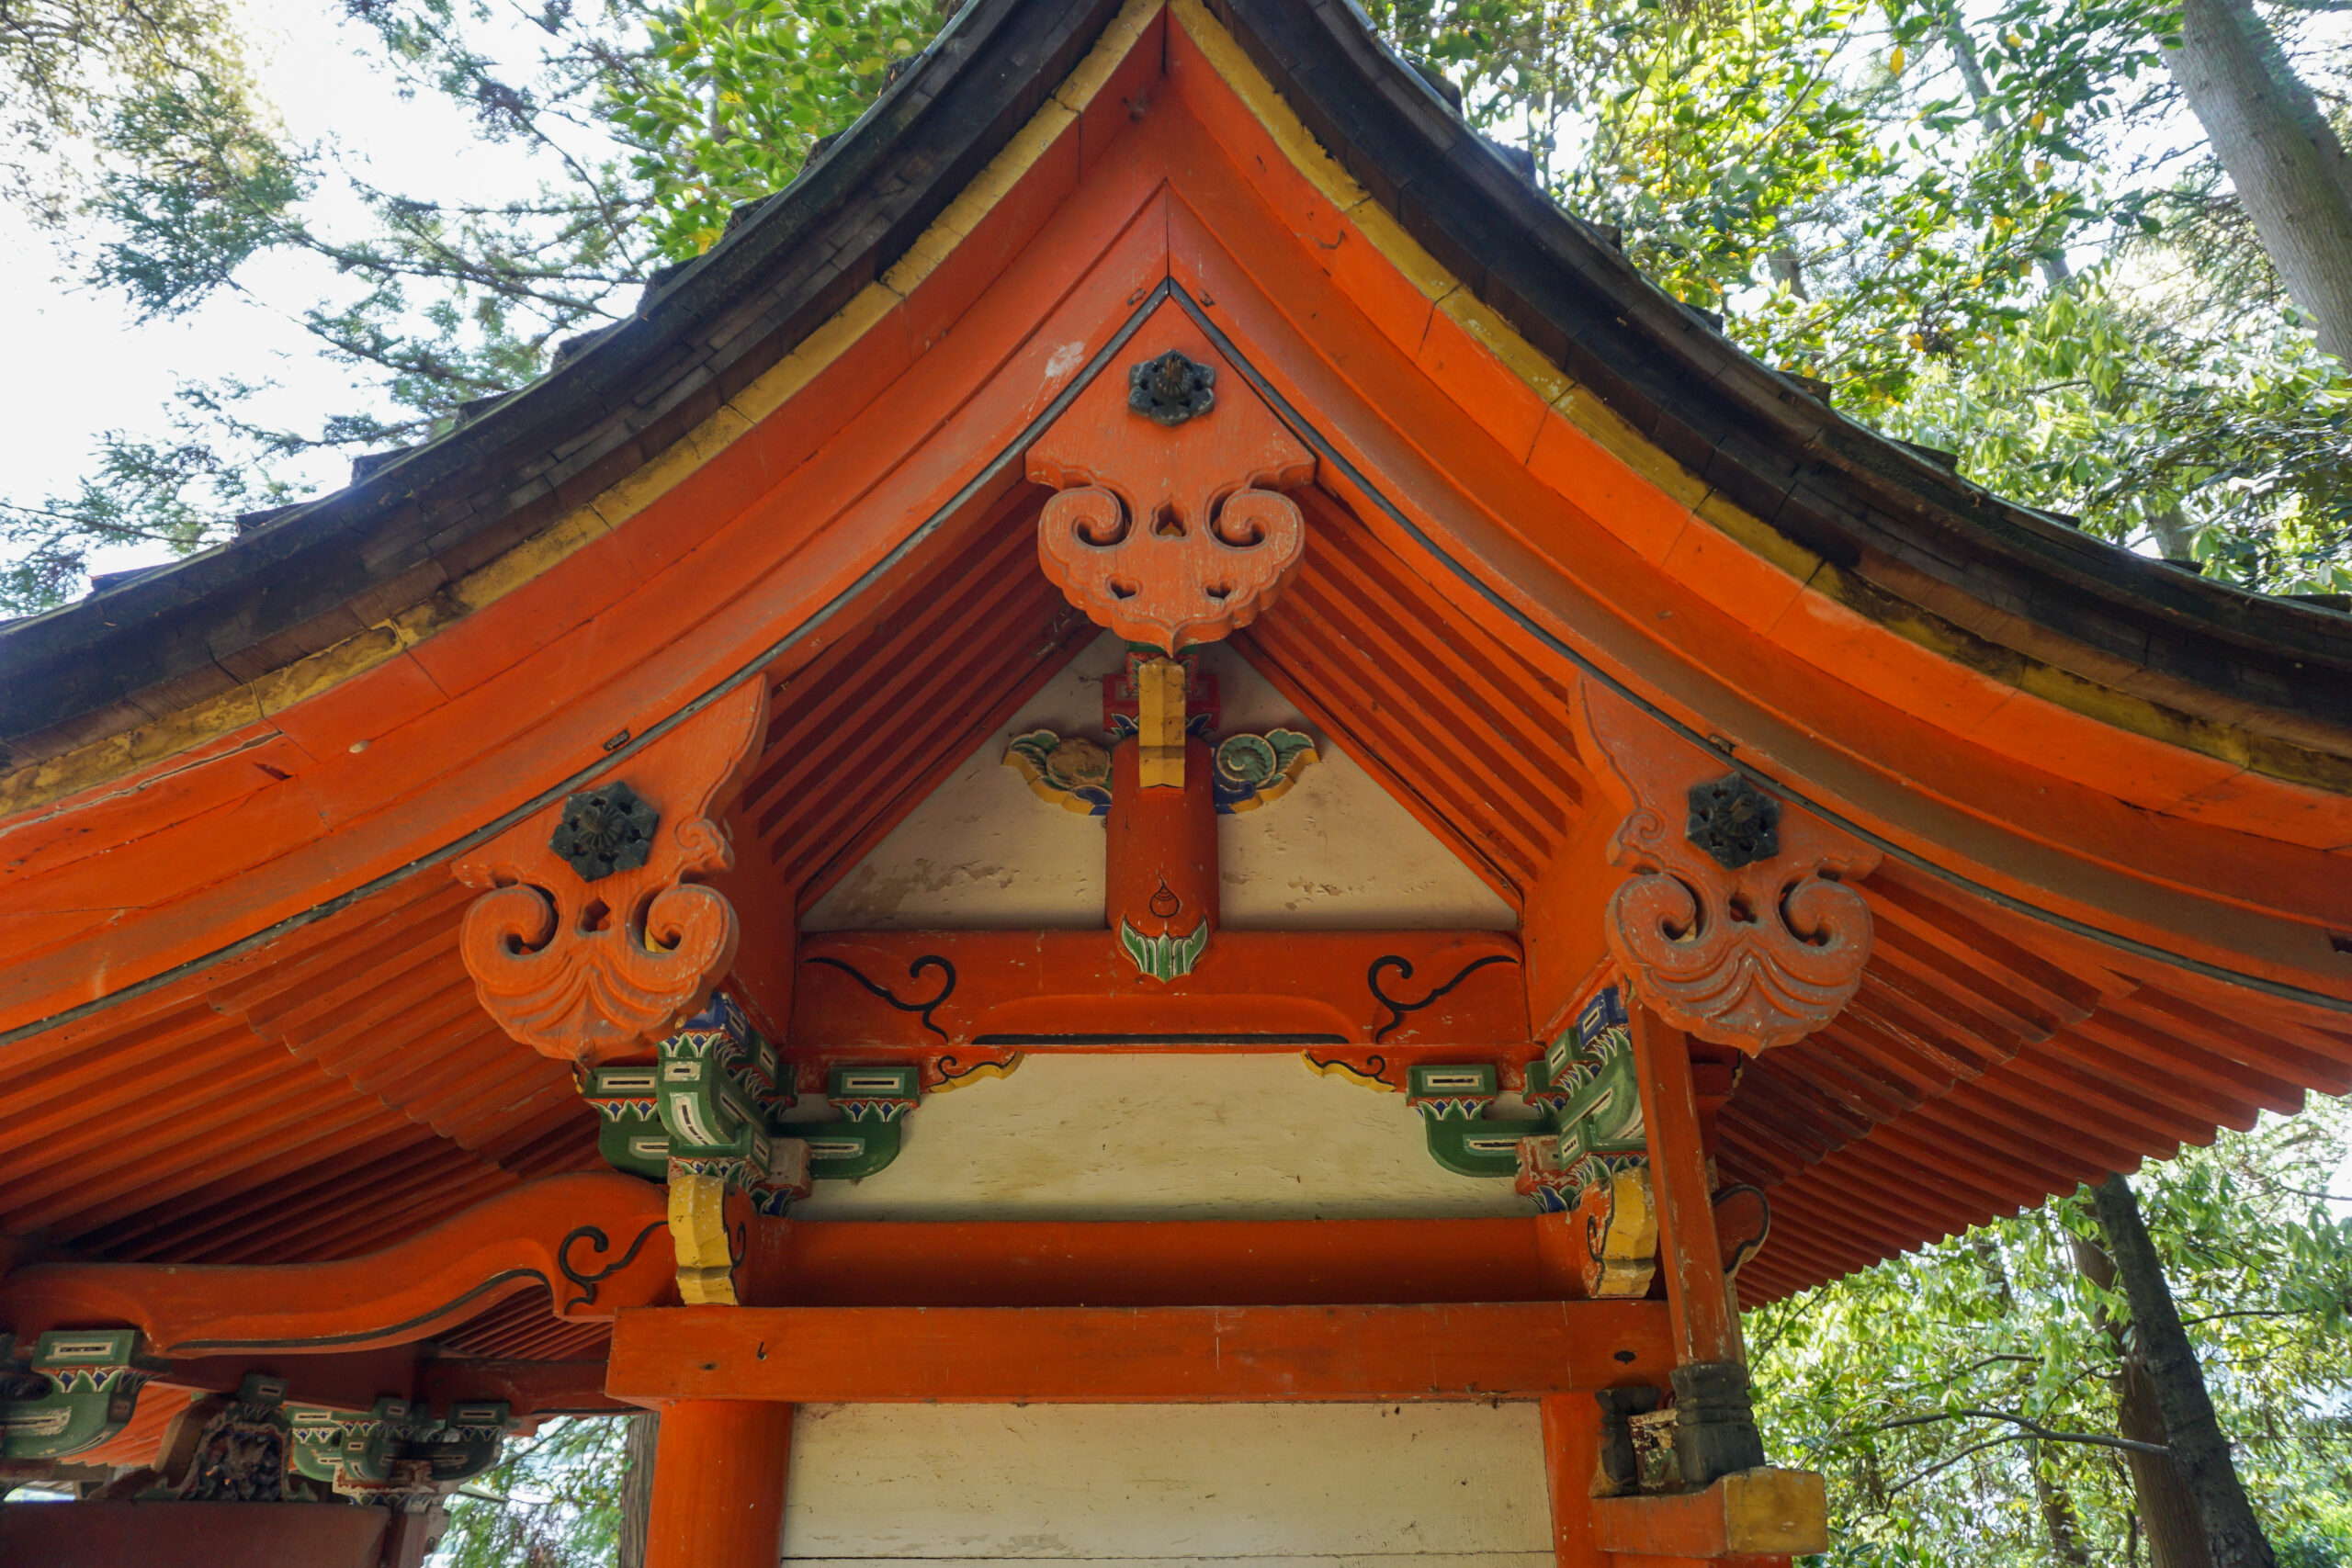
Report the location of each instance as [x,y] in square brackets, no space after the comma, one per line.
[594,936]
[1737,920]
[599,1243]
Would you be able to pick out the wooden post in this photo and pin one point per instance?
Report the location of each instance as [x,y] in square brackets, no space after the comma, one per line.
[718,1470]
[1698,1305]
[1715,1431]
[1571,1455]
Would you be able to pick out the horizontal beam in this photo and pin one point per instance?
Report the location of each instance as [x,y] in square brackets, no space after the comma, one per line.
[1135,1356]
[1753,1513]
[1137,1263]
[528,1388]
[565,1234]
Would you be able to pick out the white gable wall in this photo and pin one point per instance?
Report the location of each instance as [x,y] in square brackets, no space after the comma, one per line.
[1163,1135]
[1337,851]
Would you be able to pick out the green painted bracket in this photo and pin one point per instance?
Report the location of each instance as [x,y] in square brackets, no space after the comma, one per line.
[395,1444]
[1585,1088]
[1452,1104]
[710,1104]
[873,1103]
[80,1388]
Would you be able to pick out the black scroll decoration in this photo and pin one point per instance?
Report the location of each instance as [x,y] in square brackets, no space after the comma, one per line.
[597,1240]
[914,972]
[1404,967]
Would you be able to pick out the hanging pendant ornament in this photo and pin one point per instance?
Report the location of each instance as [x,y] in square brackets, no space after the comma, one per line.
[1169,528]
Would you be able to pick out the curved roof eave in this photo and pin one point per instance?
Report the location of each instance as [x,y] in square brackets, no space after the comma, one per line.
[1828,484]
[1767,445]
[429,514]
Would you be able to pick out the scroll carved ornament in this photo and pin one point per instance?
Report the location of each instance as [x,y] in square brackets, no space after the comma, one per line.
[1169,528]
[1755,954]
[589,971]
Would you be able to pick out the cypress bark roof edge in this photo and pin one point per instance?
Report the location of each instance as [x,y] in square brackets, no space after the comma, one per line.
[1764,440]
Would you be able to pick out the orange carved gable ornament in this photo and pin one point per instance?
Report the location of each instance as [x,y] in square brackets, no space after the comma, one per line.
[594,936]
[1735,922]
[1171,528]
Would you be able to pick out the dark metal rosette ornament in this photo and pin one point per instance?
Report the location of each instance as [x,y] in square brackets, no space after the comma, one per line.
[604,831]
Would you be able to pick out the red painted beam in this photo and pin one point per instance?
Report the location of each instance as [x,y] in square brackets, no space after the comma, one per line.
[1021,1263]
[1136,1356]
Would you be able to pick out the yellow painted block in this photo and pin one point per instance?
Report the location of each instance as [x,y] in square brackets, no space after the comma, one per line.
[1159,724]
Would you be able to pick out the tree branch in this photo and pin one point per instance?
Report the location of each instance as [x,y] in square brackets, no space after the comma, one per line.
[2030,1428]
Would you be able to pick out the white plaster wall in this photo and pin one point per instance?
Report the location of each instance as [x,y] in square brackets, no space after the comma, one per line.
[1337,851]
[1162,1136]
[1278,1485]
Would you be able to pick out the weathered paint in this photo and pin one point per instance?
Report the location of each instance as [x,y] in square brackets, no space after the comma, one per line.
[1169,1484]
[1162,1136]
[1336,853]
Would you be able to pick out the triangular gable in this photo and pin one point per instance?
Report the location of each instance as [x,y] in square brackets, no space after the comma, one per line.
[982,850]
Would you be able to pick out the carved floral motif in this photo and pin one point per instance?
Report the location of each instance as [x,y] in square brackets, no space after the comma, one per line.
[589,971]
[1754,954]
[1171,388]
[604,831]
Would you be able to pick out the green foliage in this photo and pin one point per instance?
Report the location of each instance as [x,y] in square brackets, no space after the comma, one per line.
[2230,442]
[1892,197]
[652,121]
[65,64]
[1867,1379]
[730,98]
[553,1501]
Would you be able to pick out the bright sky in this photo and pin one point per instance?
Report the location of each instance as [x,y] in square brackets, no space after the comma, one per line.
[83,365]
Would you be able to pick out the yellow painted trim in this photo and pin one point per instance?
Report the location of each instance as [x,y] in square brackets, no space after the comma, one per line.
[1346,1073]
[1583,409]
[37,783]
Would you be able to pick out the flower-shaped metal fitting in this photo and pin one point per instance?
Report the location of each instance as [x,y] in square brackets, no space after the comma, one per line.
[1733,821]
[1171,388]
[604,831]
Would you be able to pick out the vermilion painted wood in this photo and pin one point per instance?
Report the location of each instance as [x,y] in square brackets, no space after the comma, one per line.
[205,847]
[192,1535]
[1250,990]
[1147,536]
[1644,598]
[512,1243]
[1704,1329]
[1233,119]
[1571,1460]
[1160,845]
[1727,1522]
[719,1474]
[589,987]
[1156,1262]
[528,1388]
[1136,1356]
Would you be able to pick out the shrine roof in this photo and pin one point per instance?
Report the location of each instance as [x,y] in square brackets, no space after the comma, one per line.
[2109,800]
[314,576]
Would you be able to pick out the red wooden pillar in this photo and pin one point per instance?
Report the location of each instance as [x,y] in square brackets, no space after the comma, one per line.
[718,1470]
[1697,1302]
[1714,1428]
[1571,1456]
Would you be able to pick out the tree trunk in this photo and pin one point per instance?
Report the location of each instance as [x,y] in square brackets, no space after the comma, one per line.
[2198,1450]
[2163,1511]
[637,1487]
[2281,153]
[2057,1512]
